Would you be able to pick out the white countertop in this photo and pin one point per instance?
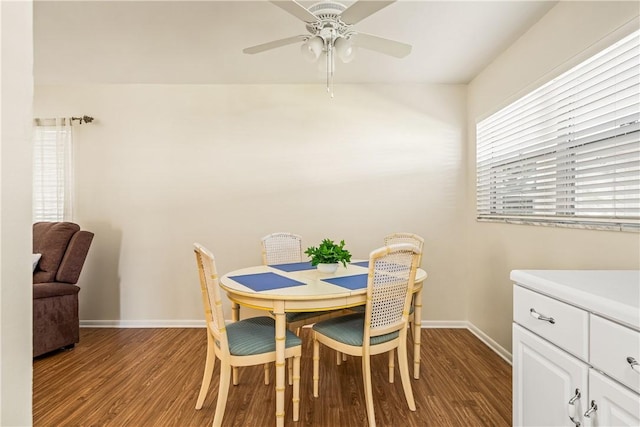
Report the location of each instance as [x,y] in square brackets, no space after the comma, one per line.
[614,294]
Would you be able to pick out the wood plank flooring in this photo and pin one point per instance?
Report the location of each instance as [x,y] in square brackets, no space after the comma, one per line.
[151,377]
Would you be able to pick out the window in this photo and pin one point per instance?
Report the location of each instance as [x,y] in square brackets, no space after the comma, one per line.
[568,152]
[52,170]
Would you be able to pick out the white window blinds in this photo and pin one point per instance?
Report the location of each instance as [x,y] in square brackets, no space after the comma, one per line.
[570,150]
[52,170]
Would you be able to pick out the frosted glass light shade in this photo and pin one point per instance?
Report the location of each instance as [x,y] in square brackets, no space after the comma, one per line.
[322,65]
[344,49]
[312,48]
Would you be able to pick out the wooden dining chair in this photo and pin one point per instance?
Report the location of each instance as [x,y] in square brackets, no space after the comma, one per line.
[392,239]
[281,248]
[285,248]
[246,342]
[414,239]
[382,327]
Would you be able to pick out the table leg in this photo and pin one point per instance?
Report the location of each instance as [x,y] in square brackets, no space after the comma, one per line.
[235,316]
[417,324]
[235,311]
[281,325]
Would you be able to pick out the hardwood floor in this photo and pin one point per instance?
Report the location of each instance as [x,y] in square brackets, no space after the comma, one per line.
[151,377]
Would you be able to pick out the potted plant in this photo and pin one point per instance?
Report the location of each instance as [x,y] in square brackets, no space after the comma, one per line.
[328,254]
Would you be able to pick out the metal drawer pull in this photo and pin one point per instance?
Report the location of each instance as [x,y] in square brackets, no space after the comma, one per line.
[634,364]
[572,408]
[539,316]
[591,410]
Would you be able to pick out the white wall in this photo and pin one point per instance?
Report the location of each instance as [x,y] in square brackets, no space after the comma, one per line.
[16,91]
[166,165]
[569,33]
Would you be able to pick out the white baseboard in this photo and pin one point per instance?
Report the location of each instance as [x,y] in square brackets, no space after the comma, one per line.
[463,324]
[451,324]
[447,324]
[500,351]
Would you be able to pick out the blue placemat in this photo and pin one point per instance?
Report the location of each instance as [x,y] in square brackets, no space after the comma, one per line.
[294,266]
[361,263]
[265,281]
[358,281]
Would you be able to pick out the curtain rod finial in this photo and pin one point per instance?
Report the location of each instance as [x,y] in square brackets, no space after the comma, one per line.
[86,119]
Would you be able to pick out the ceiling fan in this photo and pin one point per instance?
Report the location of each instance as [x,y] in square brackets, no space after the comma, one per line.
[331,33]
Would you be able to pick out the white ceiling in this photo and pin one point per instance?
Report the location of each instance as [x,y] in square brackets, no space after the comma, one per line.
[201,42]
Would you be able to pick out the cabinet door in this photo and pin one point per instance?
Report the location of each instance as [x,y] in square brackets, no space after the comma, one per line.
[545,379]
[616,405]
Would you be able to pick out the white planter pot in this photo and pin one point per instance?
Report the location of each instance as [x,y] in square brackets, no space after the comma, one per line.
[327,268]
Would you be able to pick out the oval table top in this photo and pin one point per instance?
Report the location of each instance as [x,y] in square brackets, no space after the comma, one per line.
[312,291]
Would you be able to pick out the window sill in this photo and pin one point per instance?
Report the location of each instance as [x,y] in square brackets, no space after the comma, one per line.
[627,227]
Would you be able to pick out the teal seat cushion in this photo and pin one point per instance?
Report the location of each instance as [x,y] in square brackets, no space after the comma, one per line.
[349,330]
[256,336]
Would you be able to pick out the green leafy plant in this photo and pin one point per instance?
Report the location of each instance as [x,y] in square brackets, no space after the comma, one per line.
[329,252]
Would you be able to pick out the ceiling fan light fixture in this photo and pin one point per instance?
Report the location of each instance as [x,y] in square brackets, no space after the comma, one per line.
[331,34]
[312,48]
[344,49]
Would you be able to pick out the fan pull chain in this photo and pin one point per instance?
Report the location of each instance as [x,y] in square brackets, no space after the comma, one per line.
[330,63]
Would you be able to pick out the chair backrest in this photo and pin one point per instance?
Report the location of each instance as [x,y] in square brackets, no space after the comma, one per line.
[392,271]
[211,300]
[281,248]
[414,239]
[63,247]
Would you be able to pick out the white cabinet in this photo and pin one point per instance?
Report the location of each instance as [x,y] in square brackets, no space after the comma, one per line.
[545,380]
[576,336]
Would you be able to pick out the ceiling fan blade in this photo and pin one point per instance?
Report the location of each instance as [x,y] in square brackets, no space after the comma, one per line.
[361,9]
[379,44]
[274,44]
[296,9]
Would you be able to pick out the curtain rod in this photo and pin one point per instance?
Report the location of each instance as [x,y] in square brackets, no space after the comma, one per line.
[86,119]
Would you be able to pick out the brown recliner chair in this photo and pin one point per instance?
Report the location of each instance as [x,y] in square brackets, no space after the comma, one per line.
[64,248]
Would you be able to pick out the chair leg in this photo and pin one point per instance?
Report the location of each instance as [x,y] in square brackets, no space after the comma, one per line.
[290,370]
[338,358]
[404,373]
[316,366]
[296,388]
[368,394]
[223,391]
[391,365]
[235,375]
[209,364]
[266,374]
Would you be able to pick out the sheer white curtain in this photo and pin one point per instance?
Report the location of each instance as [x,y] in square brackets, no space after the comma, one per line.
[53,170]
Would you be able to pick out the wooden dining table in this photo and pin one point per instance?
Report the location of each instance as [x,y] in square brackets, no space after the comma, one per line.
[300,287]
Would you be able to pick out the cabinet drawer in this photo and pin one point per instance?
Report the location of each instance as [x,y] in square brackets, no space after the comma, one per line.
[611,344]
[568,329]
